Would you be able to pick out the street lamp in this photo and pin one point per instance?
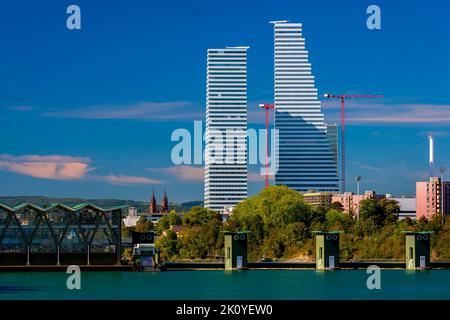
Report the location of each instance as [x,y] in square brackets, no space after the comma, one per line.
[442,170]
[358,179]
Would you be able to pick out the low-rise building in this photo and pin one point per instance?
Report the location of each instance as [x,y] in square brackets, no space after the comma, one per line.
[350,202]
[407,206]
[432,197]
[132,218]
[318,199]
[180,229]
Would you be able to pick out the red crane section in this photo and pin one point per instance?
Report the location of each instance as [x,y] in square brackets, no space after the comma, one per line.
[342,97]
[267,107]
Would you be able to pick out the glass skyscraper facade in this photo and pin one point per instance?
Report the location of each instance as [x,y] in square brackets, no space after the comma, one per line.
[304,154]
[226,128]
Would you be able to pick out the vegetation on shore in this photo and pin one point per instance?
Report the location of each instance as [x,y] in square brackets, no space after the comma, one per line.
[282,224]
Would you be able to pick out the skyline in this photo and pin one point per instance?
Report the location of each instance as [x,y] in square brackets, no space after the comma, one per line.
[95,113]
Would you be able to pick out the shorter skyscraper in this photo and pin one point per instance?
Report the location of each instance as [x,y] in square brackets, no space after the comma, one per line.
[226,128]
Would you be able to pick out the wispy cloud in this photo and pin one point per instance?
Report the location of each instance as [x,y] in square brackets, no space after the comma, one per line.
[380,134]
[434,133]
[21,108]
[183,172]
[370,113]
[61,167]
[368,167]
[366,111]
[122,179]
[150,111]
[53,167]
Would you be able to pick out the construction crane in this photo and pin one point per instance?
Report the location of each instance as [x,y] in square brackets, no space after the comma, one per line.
[267,106]
[342,97]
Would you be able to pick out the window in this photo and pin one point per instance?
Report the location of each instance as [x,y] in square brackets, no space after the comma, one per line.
[411,253]
[228,253]
[320,253]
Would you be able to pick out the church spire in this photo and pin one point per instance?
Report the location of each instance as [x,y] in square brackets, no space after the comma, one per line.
[165,203]
[153,206]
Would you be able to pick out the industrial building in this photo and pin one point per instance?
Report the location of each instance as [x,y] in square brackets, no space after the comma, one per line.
[407,207]
[60,235]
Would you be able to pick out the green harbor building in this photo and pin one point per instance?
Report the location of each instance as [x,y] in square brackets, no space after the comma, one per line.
[417,249]
[236,250]
[327,249]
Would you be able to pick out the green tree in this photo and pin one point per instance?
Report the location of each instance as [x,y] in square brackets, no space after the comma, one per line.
[391,209]
[143,225]
[278,219]
[337,220]
[126,231]
[168,245]
[379,212]
[199,215]
[167,220]
[337,206]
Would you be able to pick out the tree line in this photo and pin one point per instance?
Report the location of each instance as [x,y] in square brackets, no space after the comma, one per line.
[282,224]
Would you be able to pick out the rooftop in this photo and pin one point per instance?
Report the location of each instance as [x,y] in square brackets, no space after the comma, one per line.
[54,205]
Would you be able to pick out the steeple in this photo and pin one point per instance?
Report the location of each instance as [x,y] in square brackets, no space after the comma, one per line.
[153,206]
[165,203]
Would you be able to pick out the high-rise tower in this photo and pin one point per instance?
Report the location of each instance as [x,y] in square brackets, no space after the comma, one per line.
[304,157]
[226,128]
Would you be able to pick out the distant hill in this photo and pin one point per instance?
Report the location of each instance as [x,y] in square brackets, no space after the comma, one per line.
[141,205]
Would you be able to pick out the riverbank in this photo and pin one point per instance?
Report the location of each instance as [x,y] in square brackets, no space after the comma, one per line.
[256,265]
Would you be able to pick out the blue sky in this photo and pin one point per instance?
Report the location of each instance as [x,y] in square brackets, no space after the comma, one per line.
[89,113]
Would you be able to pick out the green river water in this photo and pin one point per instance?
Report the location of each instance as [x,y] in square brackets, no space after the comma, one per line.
[251,284]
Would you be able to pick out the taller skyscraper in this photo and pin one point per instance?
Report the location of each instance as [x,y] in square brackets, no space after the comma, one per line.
[226,128]
[304,157]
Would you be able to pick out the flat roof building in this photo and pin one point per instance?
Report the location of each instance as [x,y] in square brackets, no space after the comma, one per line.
[407,207]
